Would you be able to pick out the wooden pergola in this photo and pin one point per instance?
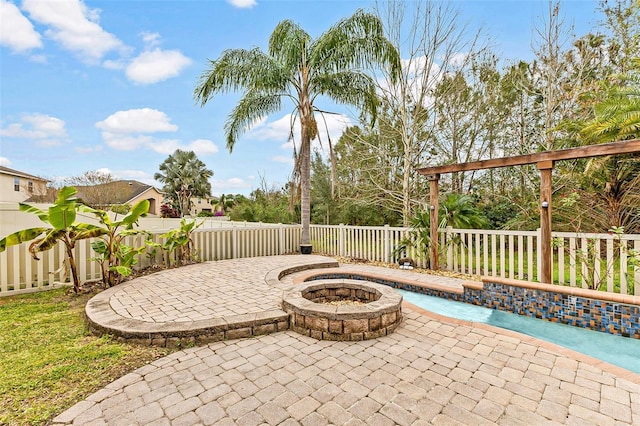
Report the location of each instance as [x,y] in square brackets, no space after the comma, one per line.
[545,162]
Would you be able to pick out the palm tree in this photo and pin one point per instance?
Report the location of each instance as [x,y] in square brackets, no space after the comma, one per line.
[459,211]
[300,68]
[184,176]
[611,185]
[617,118]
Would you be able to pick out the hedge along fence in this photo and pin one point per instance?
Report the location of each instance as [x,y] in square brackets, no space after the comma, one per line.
[20,273]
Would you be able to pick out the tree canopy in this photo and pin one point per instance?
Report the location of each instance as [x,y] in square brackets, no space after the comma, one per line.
[299,68]
[184,176]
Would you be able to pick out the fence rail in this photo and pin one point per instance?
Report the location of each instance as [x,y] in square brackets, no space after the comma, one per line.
[603,261]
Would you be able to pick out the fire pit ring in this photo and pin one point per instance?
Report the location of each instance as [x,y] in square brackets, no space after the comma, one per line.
[343,309]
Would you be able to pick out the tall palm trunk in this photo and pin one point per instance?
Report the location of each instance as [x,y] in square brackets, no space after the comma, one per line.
[306,115]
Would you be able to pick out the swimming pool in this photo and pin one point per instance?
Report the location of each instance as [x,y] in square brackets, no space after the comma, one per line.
[621,351]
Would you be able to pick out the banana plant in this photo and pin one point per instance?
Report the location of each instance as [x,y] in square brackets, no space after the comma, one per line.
[179,241]
[117,259]
[62,226]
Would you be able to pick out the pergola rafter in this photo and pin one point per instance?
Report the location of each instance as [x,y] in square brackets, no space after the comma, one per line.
[545,162]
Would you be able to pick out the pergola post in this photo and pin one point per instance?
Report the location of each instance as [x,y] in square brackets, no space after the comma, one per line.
[433,221]
[546,169]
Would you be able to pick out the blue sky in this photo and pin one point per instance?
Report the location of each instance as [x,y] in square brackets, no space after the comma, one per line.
[107,85]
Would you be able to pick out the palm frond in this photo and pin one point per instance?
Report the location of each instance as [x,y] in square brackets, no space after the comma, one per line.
[240,69]
[50,239]
[617,118]
[253,106]
[288,45]
[349,88]
[355,42]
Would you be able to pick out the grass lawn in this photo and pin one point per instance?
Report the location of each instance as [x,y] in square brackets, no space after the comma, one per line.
[49,359]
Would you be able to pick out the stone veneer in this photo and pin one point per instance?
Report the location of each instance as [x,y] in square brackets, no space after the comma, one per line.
[309,314]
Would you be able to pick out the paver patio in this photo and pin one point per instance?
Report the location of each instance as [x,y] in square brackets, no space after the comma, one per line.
[431,370]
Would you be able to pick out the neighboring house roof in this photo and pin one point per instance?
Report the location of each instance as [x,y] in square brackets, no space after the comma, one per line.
[12,172]
[121,191]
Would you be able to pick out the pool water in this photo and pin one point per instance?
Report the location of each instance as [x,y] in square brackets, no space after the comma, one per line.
[621,351]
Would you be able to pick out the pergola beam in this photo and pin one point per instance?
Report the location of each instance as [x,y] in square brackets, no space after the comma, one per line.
[614,148]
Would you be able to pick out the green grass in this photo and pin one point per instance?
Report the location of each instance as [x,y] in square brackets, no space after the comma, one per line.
[50,361]
[604,268]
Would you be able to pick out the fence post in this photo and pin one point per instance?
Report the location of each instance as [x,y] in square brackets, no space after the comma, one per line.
[341,248]
[448,236]
[387,244]
[539,254]
[280,239]
[234,243]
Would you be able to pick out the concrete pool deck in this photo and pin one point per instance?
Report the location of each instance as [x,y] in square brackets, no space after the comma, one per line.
[431,370]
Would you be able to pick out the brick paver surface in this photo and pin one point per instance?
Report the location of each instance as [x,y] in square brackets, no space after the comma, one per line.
[204,290]
[429,371]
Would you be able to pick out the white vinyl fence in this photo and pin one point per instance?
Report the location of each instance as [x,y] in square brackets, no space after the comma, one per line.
[19,273]
[607,262]
[603,261]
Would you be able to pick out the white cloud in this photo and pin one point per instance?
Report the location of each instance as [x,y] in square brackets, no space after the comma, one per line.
[168,146]
[128,174]
[421,76]
[16,31]
[114,64]
[156,65]
[40,59]
[280,129]
[74,26]
[282,159]
[88,149]
[224,186]
[164,146]
[52,126]
[133,129]
[275,130]
[242,4]
[203,146]
[126,142]
[138,175]
[143,120]
[4,161]
[457,60]
[46,130]
[150,39]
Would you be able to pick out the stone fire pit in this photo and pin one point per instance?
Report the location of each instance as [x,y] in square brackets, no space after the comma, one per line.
[343,309]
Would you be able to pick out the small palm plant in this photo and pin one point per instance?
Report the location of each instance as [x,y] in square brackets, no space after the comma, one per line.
[456,210]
